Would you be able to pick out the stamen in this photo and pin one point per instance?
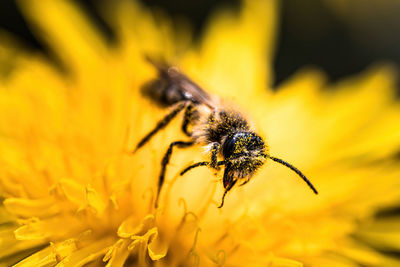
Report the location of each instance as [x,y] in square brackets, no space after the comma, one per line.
[185,214]
[193,249]
[218,258]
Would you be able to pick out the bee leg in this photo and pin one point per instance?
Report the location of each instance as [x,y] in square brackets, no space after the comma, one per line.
[187,119]
[165,161]
[162,124]
[202,163]
[198,164]
[214,156]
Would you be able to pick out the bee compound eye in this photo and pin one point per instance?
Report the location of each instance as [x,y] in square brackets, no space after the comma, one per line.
[238,142]
[229,147]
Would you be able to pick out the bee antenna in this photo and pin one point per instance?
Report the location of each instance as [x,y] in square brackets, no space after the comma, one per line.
[293,168]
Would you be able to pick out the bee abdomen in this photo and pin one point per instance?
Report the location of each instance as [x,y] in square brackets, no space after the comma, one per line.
[163,93]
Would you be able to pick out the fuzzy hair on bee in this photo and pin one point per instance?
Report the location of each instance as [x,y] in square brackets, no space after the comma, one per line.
[223,131]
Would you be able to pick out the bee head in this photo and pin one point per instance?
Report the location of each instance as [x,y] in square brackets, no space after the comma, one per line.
[244,153]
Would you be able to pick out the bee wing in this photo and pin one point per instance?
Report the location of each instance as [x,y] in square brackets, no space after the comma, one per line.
[190,89]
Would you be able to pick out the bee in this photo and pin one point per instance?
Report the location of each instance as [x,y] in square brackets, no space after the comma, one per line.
[224,132]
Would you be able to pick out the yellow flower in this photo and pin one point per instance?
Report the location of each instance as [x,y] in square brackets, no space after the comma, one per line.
[73,196]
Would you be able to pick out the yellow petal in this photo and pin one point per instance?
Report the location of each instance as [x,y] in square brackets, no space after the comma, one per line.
[95,201]
[78,44]
[157,247]
[36,229]
[74,191]
[236,51]
[88,253]
[131,226]
[5,216]
[50,255]
[31,207]
[367,256]
[117,254]
[383,233]
[9,245]
[33,229]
